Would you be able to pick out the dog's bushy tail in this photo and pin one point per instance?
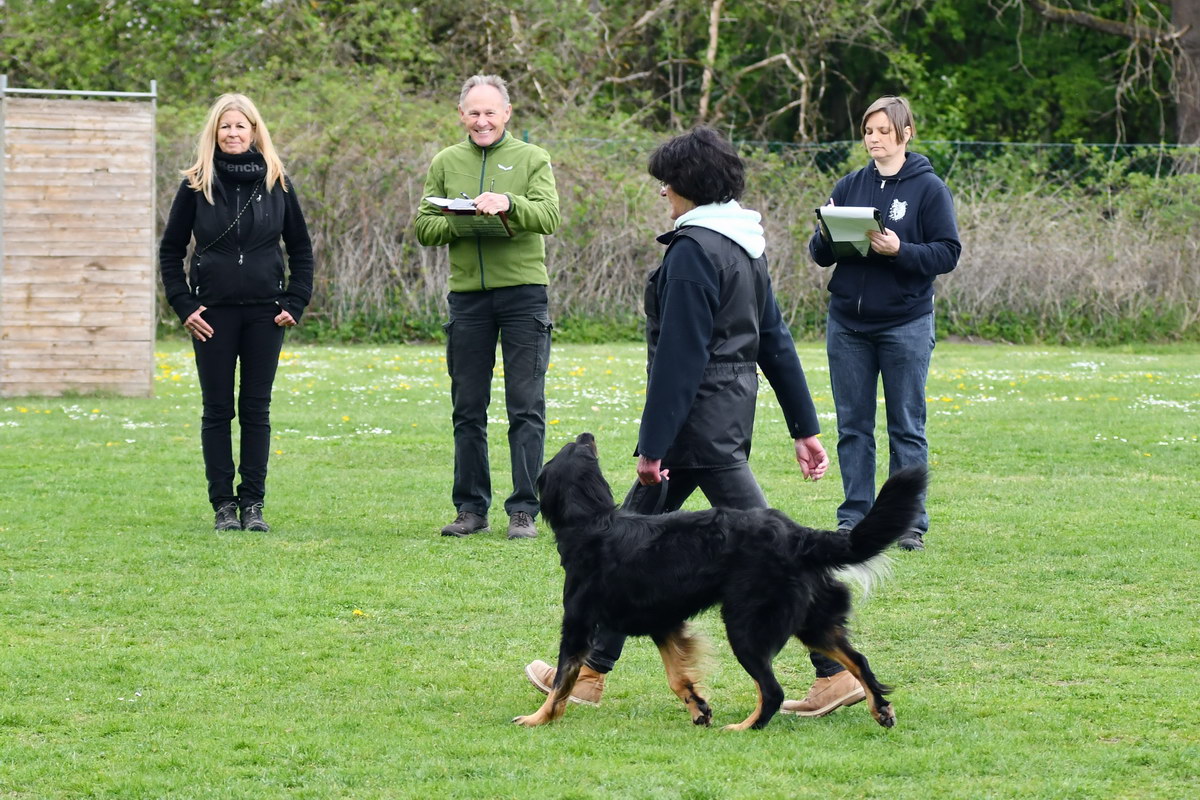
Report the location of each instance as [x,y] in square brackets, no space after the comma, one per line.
[893,514]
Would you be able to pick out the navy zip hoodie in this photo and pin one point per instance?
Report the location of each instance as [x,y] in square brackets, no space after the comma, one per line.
[873,292]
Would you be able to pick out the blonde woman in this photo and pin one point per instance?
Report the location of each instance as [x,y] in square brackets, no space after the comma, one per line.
[236,297]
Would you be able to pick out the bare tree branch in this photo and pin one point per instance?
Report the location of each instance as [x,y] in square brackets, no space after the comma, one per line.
[1133,30]
[516,40]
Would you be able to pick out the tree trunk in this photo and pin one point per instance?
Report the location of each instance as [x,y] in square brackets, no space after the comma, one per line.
[1185,16]
[710,59]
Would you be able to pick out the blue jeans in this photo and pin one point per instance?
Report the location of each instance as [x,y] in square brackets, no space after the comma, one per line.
[518,318]
[856,362]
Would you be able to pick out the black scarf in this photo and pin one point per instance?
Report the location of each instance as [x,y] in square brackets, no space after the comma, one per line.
[246,167]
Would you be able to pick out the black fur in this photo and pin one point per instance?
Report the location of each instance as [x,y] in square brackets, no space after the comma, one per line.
[647,575]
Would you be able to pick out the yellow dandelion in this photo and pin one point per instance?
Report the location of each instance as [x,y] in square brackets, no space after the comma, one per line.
[278,452]
[345,418]
[553,422]
[358,612]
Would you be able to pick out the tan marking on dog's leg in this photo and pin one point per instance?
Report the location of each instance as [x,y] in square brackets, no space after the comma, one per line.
[884,714]
[754,715]
[678,653]
[554,707]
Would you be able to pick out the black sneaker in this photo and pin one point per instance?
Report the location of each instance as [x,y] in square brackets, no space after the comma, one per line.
[913,540]
[227,517]
[252,518]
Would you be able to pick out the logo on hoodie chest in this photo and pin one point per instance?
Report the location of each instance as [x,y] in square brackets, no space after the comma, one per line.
[898,210]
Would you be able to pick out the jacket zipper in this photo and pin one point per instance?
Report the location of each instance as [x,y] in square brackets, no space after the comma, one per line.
[238,233]
[862,284]
[479,239]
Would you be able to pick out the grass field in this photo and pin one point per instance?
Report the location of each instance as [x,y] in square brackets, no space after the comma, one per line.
[1043,646]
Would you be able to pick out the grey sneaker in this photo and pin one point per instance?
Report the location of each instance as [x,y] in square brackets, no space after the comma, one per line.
[227,517]
[466,523]
[913,540]
[520,525]
[252,519]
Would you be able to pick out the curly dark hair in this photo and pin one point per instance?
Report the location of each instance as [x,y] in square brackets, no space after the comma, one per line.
[700,166]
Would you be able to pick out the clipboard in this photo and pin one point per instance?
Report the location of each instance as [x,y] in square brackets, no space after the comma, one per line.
[847,228]
[465,220]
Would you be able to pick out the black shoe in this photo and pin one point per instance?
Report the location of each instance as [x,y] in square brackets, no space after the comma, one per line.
[913,540]
[227,518]
[252,518]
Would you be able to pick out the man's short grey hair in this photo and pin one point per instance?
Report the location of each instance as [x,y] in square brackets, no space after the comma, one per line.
[484,80]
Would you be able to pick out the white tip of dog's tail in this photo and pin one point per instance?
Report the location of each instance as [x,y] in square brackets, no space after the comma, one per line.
[868,574]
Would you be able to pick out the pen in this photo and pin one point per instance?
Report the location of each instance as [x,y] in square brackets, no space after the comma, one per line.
[464,194]
[492,188]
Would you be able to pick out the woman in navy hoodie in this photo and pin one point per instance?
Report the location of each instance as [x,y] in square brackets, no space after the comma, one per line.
[881,324]
[881,305]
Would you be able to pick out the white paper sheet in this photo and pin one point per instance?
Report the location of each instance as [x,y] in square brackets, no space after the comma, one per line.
[850,224]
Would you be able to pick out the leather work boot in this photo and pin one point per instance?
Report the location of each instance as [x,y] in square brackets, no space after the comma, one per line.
[588,687]
[826,695]
[520,526]
[227,517]
[466,523]
[252,519]
[913,540]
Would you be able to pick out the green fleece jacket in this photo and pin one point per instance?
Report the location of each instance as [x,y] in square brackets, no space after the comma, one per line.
[514,168]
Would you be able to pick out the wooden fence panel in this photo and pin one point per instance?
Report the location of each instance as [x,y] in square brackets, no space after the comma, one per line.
[77,247]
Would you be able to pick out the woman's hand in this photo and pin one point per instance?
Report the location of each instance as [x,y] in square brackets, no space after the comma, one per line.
[650,472]
[812,458]
[284,320]
[197,327]
[886,243]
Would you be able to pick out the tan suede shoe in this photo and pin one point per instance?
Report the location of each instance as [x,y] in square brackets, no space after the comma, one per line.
[826,695]
[588,687]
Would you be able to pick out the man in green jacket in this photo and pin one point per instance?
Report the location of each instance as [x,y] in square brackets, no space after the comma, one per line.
[497,293]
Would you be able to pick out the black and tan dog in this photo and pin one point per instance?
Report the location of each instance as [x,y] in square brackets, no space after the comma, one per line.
[647,575]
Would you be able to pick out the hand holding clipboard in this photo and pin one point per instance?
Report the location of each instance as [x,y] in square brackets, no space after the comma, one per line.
[848,228]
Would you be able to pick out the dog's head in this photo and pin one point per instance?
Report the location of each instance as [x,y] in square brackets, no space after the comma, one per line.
[571,486]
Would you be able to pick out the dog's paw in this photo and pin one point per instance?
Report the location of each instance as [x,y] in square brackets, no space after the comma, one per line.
[702,715]
[886,715]
[531,720]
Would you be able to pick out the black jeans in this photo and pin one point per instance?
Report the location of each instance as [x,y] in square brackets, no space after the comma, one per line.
[245,335]
[728,487]
[517,317]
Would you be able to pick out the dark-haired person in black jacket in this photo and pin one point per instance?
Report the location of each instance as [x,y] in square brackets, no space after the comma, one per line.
[881,324]
[712,321]
[235,298]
